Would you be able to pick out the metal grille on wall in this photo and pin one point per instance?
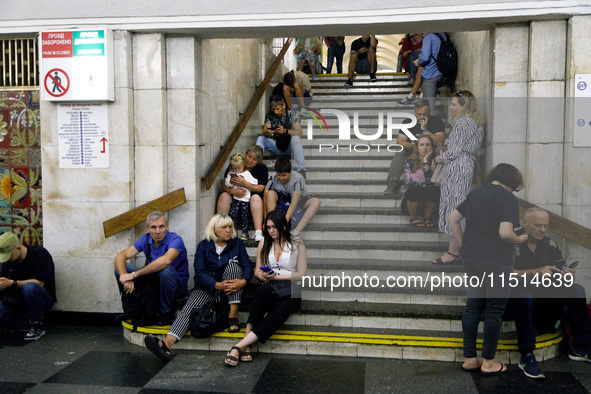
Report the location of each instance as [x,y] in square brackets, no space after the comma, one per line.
[19,63]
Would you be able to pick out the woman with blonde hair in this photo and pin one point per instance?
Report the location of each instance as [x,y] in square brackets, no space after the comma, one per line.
[221,266]
[458,178]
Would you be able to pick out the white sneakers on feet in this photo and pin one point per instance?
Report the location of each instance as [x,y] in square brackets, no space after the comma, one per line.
[258,235]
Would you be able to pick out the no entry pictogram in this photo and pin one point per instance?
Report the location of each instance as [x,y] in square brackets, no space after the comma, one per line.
[57,82]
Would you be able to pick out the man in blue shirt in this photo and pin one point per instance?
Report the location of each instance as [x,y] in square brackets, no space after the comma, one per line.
[166,257]
[431,76]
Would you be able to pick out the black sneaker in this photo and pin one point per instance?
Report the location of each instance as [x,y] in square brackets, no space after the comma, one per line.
[349,83]
[530,367]
[373,78]
[35,333]
[579,355]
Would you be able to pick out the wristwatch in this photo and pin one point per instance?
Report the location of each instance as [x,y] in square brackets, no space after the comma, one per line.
[14,284]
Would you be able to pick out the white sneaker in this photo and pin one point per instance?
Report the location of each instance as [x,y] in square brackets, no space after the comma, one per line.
[258,235]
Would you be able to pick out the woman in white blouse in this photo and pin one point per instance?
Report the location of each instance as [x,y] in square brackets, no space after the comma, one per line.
[279,295]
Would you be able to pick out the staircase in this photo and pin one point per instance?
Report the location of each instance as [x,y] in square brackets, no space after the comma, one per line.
[361,233]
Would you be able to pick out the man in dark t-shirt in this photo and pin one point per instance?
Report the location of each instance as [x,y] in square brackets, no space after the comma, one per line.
[426,124]
[27,283]
[541,305]
[362,59]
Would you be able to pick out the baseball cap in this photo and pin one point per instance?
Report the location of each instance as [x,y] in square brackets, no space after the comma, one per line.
[8,241]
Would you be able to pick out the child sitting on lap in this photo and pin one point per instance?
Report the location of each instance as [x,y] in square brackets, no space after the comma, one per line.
[240,205]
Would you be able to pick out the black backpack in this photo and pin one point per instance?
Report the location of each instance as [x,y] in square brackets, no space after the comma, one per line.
[447,57]
[141,306]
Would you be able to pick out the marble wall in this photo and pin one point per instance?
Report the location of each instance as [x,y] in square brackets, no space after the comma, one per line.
[177,99]
[533,69]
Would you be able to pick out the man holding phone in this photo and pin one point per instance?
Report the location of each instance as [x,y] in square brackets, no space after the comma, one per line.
[540,305]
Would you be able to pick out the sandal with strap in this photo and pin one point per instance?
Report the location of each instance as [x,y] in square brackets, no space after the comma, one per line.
[158,347]
[457,259]
[416,222]
[246,356]
[234,322]
[429,223]
[232,361]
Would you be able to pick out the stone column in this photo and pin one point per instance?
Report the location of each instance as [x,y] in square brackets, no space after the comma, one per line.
[545,130]
[183,114]
[508,122]
[77,200]
[577,167]
[150,126]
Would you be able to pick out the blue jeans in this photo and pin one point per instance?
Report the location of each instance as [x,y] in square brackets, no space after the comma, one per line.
[490,299]
[295,146]
[412,69]
[37,301]
[335,52]
[430,87]
[171,286]
[526,310]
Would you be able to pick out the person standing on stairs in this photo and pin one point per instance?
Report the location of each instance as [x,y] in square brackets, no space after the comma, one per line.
[459,171]
[491,212]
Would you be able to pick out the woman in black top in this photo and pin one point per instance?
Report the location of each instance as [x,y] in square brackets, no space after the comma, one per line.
[491,213]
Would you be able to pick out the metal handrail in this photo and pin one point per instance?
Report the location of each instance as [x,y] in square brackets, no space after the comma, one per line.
[221,158]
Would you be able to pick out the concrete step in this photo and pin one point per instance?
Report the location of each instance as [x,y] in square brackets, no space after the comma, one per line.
[418,332]
[350,199]
[372,232]
[342,186]
[356,215]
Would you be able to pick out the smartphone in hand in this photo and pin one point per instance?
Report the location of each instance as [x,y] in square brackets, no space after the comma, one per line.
[267,270]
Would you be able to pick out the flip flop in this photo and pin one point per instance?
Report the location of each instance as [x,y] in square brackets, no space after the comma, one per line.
[469,370]
[495,373]
[158,347]
[234,322]
[230,360]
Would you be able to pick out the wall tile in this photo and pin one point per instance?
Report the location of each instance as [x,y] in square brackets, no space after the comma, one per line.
[547,50]
[149,65]
[181,115]
[180,63]
[510,53]
[122,55]
[150,117]
[544,174]
[150,172]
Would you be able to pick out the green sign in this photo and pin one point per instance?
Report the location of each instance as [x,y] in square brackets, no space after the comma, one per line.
[89,43]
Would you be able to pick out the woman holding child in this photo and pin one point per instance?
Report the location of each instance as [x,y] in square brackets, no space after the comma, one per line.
[221,265]
[458,177]
[420,194]
[281,263]
[240,186]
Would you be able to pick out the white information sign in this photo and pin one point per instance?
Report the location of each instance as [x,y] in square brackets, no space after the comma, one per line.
[582,111]
[83,135]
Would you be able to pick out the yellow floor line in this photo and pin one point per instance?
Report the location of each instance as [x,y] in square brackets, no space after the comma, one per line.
[369,339]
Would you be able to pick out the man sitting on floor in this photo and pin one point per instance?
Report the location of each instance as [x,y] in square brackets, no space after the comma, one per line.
[27,284]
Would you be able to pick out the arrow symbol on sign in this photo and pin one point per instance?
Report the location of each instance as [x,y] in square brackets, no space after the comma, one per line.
[104,141]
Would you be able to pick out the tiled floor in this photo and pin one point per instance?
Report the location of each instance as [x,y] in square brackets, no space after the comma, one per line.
[88,360]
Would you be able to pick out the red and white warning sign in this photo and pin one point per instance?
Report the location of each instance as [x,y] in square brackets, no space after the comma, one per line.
[57,82]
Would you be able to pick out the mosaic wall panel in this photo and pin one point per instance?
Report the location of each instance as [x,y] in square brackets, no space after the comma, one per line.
[20,166]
